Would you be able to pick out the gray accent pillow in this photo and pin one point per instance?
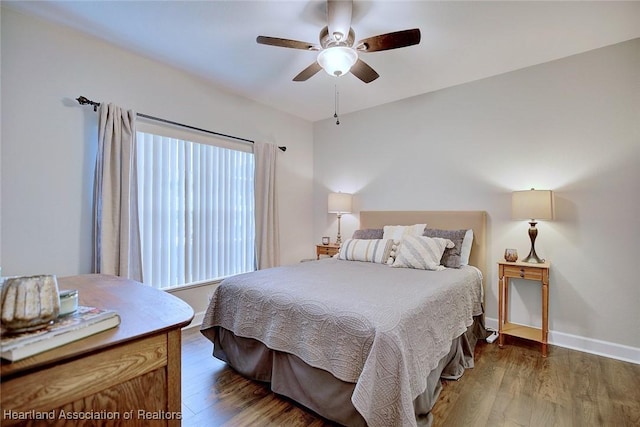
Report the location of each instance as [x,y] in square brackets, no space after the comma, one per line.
[368,233]
[451,256]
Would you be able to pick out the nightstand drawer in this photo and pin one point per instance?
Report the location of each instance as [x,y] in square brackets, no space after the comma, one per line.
[326,251]
[529,273]
[329,250]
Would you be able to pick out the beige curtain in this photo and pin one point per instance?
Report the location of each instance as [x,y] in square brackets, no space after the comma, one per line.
[116,227]
[266,207]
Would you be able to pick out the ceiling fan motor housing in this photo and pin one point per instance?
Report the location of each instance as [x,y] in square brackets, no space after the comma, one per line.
[327,40]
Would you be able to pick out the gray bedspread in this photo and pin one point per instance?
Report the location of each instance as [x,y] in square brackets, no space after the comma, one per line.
[382,328]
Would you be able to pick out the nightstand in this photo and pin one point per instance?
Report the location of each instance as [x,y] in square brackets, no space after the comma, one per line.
[330,250]
[526,271]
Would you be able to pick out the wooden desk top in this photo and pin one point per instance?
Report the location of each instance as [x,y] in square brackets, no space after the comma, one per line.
[519,263]
[143,311]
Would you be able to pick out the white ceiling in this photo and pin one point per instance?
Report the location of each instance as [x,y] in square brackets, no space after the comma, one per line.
[461,42]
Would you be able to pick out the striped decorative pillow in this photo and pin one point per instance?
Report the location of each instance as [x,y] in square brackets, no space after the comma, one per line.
[421,252]
[451,256]
[367,250]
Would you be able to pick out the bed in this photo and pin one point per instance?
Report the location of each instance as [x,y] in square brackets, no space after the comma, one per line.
[360,343]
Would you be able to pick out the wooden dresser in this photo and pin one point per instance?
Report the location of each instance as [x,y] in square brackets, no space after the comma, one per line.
[128,376]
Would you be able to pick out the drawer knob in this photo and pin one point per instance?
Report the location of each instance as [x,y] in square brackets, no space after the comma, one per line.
[522,272]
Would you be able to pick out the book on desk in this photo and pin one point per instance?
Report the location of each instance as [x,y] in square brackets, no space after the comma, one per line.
[83,322]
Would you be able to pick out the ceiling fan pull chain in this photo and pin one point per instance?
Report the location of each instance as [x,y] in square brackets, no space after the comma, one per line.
[335,106]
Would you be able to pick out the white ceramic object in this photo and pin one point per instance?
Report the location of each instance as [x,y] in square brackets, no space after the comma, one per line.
[68,302]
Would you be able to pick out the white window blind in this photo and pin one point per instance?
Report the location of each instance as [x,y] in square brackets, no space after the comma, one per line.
[196,208]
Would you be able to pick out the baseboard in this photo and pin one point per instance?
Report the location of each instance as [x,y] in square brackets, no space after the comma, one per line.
[587,345]
[196,322]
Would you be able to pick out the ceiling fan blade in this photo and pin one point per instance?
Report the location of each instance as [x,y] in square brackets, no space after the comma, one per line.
[308,72]
[389,41]
[294,44]
[363,71]
[339,18]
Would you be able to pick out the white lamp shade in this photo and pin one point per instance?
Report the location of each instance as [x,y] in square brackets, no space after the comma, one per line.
[339,203]
[337,60]
[532,204]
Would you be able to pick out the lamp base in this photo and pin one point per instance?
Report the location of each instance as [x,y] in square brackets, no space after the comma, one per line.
[533,258]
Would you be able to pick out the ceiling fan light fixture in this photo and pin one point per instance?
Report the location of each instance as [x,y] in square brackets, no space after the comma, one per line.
[337,60]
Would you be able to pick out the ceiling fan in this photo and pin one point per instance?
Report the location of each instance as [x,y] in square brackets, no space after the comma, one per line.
[338,54]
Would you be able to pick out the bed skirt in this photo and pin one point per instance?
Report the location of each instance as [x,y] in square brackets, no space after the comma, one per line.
[318,389]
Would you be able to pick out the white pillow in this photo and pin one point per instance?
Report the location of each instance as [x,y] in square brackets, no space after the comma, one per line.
[367,250]
[421,252]
[465,251]
[396,232]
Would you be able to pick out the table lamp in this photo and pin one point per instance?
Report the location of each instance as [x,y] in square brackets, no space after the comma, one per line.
[532,205]
[339,203]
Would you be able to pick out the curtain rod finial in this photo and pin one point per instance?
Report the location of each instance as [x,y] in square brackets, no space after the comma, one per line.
[84,101]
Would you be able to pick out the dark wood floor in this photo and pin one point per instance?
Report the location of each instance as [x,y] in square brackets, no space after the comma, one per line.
[514,386]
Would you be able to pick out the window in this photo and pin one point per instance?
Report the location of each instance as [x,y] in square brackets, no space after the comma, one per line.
[196,209]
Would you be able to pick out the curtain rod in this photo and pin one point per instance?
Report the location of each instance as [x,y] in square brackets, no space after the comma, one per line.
[85,101]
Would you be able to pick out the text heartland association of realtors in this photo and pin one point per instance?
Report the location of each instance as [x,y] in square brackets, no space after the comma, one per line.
[61,414]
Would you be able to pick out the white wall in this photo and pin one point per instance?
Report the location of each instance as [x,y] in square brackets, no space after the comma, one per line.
[571,126]
[49,141]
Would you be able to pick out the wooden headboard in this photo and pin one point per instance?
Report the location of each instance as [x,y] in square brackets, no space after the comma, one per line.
[447,220]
